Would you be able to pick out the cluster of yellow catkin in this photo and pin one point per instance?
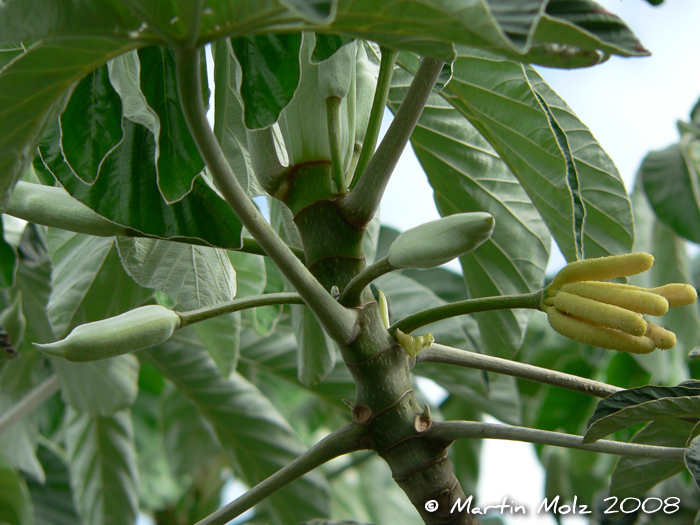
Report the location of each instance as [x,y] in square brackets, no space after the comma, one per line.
[582,305]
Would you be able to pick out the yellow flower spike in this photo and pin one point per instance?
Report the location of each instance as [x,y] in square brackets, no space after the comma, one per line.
[677,294]
[597,335]
[639,300]
[600,313]
[662,338]
[603,268]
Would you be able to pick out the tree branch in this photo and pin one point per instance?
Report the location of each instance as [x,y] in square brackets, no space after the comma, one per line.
[360,205]
[437,353]
[381,94]
[343,441]
[339,322]
[208,312]
[28,403]
[453,430]
[468,306]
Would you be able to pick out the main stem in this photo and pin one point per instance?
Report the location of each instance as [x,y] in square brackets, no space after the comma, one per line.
[339,322]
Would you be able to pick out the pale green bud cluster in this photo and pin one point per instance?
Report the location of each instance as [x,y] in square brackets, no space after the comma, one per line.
[437,242]
[582,306]
[129,332]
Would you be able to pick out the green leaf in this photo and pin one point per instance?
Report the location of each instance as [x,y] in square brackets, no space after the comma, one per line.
[188,438]
[229,128]
[91,125]
[315,11]
[692,460]
[315,349]
[18,442]
[467,175]
[127,193]
[254,435]
[276,356]
[672,186]
[8,261]
[77,259]
[648,403]
[177,158]
[222,338]
[326,46]
[34,89]
[15,503]
[569,178]
[195,276]
[634,477]
[31,21]
[12,320]
[103,467]
[580,33]
[98,388]
[671,265]
[53,500]
[464,453]
[270,75]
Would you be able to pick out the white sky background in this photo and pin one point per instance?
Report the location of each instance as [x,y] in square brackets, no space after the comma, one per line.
[631,106]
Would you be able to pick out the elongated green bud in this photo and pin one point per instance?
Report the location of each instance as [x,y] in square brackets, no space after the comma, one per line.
[55,207]
[639,301]
[601,313]
[596,335]
[131,331]
[662,338]
[335,74]
[366,82]
[437,242]
[603,268]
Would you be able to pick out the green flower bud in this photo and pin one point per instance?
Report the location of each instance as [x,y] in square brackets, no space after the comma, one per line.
[437,242]
[131,331]
[336,73]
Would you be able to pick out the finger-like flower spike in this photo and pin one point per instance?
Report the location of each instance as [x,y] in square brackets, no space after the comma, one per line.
[582,305]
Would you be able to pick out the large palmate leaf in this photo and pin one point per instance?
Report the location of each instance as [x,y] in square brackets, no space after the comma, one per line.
[127,193]
[103,467]
[633,477]
[195,276]
[8,261]
[569,178]
[467,175]
[34,88]
[18,442]
[256,437]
